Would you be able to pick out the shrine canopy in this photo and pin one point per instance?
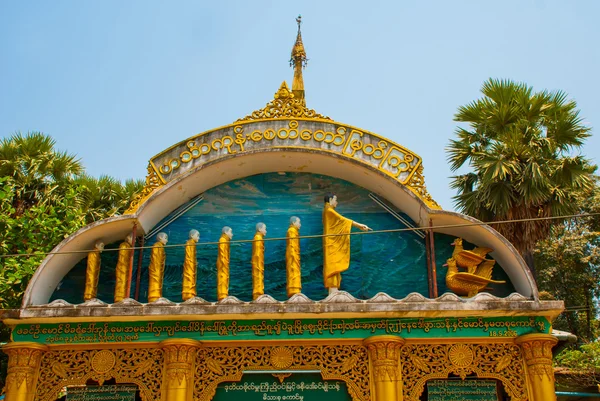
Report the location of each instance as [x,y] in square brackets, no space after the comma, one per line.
[299,151]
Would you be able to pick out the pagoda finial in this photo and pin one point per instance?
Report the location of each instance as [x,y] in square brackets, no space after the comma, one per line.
[298,61]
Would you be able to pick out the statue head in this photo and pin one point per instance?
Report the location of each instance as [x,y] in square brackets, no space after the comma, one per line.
[195,235]
[261,228]
[163,238]
[331,198]
[295,221]
[457,242]
[129,239]
[99,246]
[227,231]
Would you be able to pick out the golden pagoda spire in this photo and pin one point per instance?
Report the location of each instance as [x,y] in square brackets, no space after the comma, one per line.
[298,61]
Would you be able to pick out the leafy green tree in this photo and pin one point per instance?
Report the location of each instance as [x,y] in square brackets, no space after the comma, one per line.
[568,262]
[519,149]
[579,367]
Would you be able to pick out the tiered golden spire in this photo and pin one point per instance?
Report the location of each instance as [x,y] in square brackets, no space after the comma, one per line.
[298,60]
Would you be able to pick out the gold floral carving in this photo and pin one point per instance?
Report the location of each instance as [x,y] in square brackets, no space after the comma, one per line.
[281,376]
[153,181]
[422,362]
[347,363]
[103,361]
[461,355]
[142,367]
[179,359]
[417,185]
[384,357]
[284,105]
[22,366]
[538,355]
[281,358]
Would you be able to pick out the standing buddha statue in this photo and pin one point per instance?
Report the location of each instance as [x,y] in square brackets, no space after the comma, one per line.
[156,269]
[92,272]
[258,261]
[292,257]
[336,243]
[223,263]
[190,266]
[122,268]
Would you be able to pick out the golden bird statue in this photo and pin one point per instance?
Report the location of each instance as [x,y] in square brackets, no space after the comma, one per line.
[469,284]
[468,259]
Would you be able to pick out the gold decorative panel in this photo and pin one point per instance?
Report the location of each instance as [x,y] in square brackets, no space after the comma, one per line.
[422,362]
[141,366]
[347,363]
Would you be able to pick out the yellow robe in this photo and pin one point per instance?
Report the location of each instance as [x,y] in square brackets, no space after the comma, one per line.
[258,266]
[121,271]
[336,249]
[156,271]
[292,261]
[190,265]
[223,268]
[91,275]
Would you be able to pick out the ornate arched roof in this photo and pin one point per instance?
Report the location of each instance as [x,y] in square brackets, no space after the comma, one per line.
[283,136]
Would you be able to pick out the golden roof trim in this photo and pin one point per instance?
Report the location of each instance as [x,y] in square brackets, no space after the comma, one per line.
[284,106]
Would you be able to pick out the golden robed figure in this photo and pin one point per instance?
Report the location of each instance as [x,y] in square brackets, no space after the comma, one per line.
[258,261]
[92,272]
[156,269]
[223,263]
[336,243]
[292,257]
[190,266]
[122,269]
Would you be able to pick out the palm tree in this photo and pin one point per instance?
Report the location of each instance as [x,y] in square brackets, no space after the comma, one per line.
[105,196]
[36,167]
[522,148]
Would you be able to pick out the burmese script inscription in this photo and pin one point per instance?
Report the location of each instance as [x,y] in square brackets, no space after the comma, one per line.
[462,390]
[226,330]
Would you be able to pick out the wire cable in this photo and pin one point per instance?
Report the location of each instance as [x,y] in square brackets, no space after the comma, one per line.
[371,232]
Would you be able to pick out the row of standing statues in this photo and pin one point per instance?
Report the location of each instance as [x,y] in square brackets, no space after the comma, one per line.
[336,259]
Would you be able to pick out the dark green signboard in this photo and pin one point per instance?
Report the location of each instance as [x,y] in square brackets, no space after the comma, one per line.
[462,390]
[295,387]
[227,330]
[102,393]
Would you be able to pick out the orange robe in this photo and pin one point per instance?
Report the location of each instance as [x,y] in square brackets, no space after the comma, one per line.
[91,275]
[190,265]
[121,271]
[258,266]
[223,268]
[292,261]
[156,271]
[336,249]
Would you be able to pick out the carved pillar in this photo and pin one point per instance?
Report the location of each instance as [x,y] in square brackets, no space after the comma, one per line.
[23,369]
[179,369]
[537,352]
[384,352]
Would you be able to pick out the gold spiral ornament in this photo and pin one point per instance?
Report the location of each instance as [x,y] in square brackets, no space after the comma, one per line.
[281,358]
[103,361]
[461,355]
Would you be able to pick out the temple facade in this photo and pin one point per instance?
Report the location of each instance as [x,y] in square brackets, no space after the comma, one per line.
[285,256]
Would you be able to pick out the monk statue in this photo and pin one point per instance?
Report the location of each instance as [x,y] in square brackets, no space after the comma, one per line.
[122,268]
[92,272]
[156,269]
[292,257]
[336,243]
[223,263]
[190,265]
[258,261]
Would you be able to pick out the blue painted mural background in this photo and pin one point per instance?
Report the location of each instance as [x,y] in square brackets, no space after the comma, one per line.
[394,263]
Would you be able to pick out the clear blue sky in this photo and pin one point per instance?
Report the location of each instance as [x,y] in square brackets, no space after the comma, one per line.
[116,82]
